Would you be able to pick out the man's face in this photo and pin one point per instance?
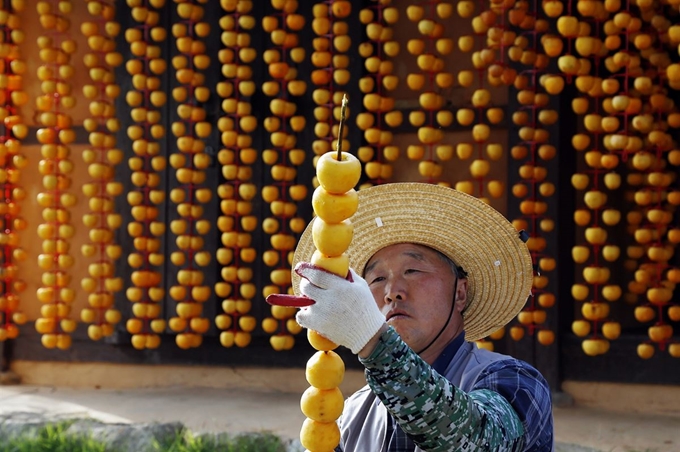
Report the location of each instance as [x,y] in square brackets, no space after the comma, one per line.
[414,288]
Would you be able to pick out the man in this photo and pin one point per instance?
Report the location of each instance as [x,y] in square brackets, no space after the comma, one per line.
[440,269]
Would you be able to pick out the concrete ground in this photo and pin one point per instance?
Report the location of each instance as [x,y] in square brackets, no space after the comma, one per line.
[213,410]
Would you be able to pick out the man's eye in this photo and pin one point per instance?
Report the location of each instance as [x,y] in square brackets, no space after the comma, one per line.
[411,270]
[377,279]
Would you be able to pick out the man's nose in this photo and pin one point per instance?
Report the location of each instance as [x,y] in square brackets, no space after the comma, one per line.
[395,290]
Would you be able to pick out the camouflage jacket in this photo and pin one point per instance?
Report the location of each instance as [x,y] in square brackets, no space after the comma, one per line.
[484,401]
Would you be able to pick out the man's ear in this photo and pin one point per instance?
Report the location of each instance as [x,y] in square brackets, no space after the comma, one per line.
[460,296]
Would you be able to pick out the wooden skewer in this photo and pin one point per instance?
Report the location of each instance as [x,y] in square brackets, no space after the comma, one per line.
[343,109]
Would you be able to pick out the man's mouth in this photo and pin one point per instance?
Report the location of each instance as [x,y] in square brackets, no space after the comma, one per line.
[396,316]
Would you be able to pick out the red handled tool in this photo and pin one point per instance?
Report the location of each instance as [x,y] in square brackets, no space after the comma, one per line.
[297,301]
[289,301]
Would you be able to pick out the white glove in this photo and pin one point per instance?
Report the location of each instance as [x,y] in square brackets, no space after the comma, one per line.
[345,311]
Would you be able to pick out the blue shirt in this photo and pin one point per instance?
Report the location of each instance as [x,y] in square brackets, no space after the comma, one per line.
[447,355]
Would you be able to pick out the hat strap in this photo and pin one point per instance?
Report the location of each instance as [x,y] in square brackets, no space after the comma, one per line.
[453,305]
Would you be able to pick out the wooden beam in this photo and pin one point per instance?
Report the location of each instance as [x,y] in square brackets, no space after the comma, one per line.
[619,365]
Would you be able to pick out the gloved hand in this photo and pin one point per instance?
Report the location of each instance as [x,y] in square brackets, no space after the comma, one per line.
[345,310]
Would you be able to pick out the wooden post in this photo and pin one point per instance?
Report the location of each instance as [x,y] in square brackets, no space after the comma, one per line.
[7,377]
[4,361]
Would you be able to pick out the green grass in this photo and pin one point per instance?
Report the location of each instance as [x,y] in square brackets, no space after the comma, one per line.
[53,438]
[261,442]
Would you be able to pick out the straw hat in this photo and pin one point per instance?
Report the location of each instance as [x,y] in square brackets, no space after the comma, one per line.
[470,232]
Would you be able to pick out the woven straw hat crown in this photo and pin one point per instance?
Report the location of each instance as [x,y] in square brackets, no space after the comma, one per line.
[471,233]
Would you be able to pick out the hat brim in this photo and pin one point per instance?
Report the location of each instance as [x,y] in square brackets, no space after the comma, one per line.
[470,232]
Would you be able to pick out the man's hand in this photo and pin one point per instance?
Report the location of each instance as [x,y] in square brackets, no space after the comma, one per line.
[344,310]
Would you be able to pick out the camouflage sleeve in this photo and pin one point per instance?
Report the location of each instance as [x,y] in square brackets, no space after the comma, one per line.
[431,410]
